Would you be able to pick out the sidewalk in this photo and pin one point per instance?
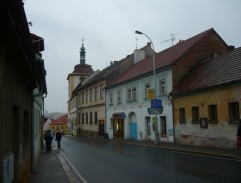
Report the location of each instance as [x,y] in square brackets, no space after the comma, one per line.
[185,148]
[52,167]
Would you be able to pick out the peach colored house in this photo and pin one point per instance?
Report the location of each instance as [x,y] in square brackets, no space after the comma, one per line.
[59,124]
[207,102]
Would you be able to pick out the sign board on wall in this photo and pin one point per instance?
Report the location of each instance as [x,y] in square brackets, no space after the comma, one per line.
[150,93]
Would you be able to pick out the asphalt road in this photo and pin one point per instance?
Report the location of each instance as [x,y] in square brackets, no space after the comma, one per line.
[108,162]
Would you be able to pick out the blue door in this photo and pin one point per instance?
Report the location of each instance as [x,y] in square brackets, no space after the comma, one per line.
[133,130]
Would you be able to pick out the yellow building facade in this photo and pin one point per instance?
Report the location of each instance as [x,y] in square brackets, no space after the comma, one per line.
[208,118]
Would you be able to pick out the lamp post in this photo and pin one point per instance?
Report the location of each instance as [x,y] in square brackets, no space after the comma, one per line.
[154,84]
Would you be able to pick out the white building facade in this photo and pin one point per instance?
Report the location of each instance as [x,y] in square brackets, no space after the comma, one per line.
[127,107]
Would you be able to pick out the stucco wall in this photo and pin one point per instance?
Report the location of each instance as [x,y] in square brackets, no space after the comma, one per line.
[140,108]
[16,87]
[222,134]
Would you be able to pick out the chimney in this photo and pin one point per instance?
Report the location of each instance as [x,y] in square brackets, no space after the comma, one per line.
[231,48]
[138,55]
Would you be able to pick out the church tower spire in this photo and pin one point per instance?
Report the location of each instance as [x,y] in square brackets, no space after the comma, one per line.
[82,53]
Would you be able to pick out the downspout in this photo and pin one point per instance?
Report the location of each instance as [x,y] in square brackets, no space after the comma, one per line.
[42,144]
[170,98]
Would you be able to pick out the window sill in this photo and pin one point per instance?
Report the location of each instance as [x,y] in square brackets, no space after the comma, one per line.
[233,121]
[196,122]
[213,121]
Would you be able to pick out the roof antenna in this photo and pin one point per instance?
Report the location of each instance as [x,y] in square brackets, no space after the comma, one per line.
[172,39]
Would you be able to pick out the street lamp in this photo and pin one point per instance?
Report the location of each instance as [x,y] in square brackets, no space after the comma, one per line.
[154,84]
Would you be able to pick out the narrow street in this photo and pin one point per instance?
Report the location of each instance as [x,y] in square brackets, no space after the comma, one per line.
[103,161]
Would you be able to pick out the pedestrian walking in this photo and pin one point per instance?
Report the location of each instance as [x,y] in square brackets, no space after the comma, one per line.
[239,135]
[48,140]
[58,138]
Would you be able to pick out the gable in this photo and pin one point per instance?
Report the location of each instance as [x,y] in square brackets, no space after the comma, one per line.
[218,70]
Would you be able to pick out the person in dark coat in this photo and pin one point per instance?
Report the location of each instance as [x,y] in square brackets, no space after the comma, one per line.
[58,138]
[48,139]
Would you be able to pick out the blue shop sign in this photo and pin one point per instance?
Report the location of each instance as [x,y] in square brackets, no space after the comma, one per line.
[156,104]
[122,115]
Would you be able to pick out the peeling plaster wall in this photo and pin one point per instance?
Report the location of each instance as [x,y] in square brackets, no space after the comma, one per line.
[221,134]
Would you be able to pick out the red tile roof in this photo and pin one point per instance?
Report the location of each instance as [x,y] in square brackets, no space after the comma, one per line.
[60,121]
[83,68]
[218,70]
[162,59]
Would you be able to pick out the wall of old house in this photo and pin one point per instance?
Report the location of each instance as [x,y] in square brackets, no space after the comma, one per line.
[220,134]
[204,49]
[16,87]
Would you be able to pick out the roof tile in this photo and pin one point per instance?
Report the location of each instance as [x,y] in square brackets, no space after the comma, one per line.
[215,71]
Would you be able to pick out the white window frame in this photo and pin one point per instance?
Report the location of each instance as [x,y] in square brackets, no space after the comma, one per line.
[162,87]
[134,93]
[119,97]
[111,98]
[129,95]
[101,91]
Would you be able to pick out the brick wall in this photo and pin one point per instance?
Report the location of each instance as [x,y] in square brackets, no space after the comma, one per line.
[209,45]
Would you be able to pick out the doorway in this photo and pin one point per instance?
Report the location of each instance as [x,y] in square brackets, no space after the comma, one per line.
[118,128]
[133,126]
[163,126]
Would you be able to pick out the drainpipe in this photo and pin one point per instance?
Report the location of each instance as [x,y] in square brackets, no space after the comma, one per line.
[170,98]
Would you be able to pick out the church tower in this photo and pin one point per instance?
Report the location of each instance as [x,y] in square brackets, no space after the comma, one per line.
[75,79]
[82,53]
[81,71]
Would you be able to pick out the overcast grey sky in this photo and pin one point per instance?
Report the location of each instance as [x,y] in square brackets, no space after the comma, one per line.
[108,27]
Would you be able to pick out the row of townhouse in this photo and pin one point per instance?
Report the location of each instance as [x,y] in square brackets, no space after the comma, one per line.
[22,92]
[86,113]
[201,101]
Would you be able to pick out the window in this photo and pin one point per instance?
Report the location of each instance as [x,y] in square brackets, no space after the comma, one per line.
[129,95]
[195,115]
[91,94]
[101,91]
[96,118]
[119,97]
[212,113]
[111,123]
[86,118]
[82,98]
[182,116]
[91,118]
[83,118]
[162,87]
[134,97]
[79,95]
[147,85]
[163,126]
[233,110]
[96,93]
[111,98]
[86,96]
